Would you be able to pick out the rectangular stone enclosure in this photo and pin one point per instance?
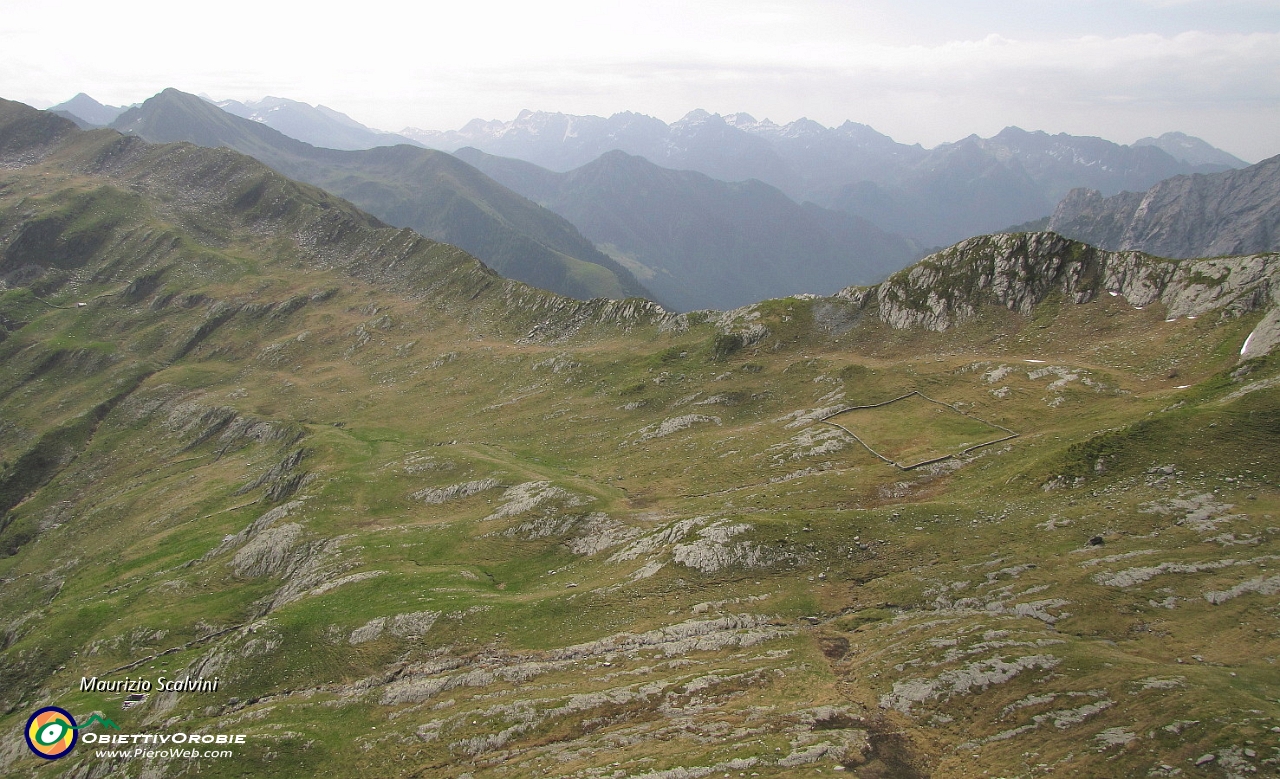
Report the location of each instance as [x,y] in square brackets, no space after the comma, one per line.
[914,430]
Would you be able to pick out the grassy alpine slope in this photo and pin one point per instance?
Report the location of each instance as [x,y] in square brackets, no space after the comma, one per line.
[424,521]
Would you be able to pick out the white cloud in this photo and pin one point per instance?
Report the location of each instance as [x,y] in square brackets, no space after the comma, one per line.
[1120,87]
[921,71]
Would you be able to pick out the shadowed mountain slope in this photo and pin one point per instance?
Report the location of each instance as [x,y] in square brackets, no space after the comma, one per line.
[702,243]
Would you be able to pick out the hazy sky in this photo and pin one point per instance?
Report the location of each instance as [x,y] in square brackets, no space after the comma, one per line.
[923,71]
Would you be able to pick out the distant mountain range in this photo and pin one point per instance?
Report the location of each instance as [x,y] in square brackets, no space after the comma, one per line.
[932,196]
[719,211]
[316,125]
[1232,212]
[434,193]
[681,238]
[699,242]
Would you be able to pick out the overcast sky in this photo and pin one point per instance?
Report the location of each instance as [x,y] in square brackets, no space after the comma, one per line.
[922,71]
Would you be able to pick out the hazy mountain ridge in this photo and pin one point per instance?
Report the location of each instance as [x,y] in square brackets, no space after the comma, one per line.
[901,188]
[703,243]
[1060,163]
[1192,150]
[317,125]
[89,111]
[434,193]
[1232,212]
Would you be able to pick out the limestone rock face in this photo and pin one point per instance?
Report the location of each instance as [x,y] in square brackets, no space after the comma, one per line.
[1200,215]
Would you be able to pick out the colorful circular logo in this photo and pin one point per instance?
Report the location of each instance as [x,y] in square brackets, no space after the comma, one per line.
[51,732]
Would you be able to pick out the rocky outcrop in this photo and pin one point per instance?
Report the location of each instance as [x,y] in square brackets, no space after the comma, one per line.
[672,425]
[1264,337]
[698,543]
[1019,271]
[979,674]
[409,625]
[584,535]
[1013,271]
[526,497]
[273,551]
[1201,215]
[422,681]
[254,529]
[1258,584]
[282,480]
[439,495]
[714,549]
